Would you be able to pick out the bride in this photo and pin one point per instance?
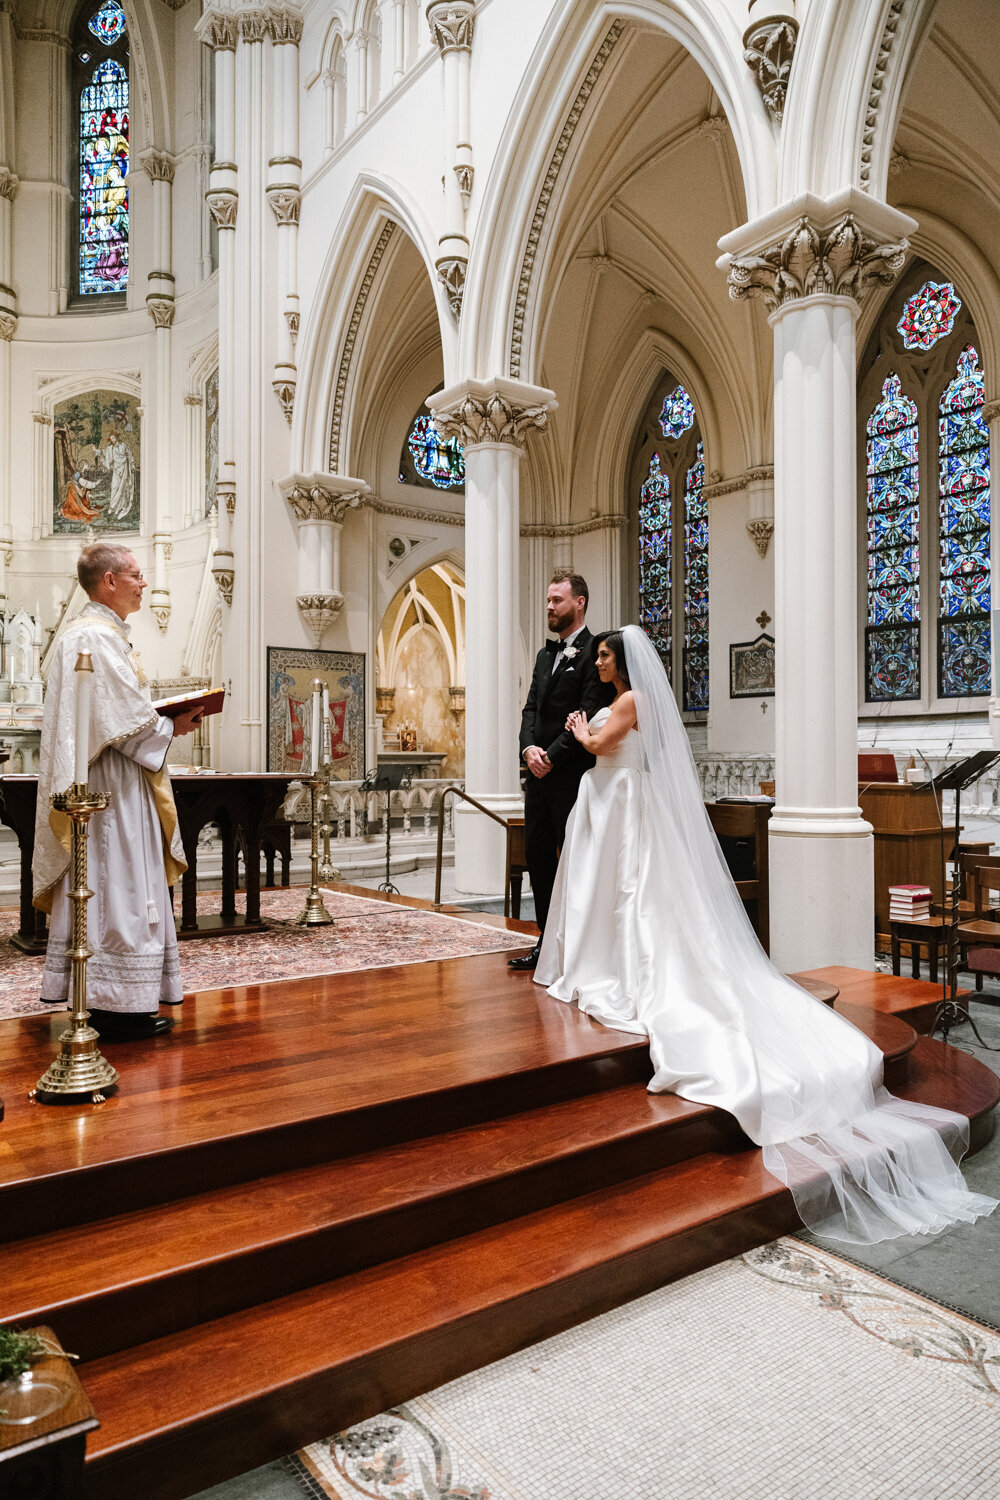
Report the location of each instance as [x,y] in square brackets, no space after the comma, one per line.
[647,934]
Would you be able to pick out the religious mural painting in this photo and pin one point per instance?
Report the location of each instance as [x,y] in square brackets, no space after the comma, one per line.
[211,440]
[290,675]
[751,668]
[96,463]
[101,65]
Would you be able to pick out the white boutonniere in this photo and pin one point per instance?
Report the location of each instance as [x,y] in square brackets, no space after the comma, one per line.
[570,652]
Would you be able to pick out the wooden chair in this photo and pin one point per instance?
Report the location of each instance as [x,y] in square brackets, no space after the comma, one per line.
[979,939]
[516,866]
[741,829]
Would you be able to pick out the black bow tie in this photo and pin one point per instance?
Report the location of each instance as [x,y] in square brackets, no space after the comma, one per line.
[556,646]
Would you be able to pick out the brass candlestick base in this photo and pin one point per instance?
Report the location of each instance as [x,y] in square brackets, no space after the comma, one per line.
[327,870]
[79,1067]
[314,913]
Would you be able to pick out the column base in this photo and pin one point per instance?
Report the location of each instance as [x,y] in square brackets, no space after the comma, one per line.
[822,883]
[481,844]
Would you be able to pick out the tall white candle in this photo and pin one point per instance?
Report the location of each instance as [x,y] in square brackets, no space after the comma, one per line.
[317,685]
[326,724]
[81,727]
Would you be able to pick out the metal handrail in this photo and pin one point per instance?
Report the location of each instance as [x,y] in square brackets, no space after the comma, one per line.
[457,791]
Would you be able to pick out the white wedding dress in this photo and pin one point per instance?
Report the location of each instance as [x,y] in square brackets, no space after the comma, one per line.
[647,934]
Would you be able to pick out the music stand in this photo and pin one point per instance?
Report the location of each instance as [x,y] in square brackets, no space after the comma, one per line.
[955,779]
[388,779]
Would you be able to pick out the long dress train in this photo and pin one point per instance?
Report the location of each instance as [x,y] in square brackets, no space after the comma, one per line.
[647,934]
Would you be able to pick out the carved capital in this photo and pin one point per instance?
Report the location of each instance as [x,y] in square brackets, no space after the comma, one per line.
[991,410]
[159,608]
[456,697]
[451,274]
[285,392]
[253,25]
[222,572]
[318,497]
[842,259]
[318,612]
[285,25]
[285,202]
[452,23]
[9,183]
[385,700]
[161,310]
[217,29]
[760,531]
[8,324]
[157,165]
[222,205]
[495,411]
[768,49]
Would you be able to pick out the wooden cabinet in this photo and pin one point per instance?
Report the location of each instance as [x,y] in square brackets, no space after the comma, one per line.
[910,843]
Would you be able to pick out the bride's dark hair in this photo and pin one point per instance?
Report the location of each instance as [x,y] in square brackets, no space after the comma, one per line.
[615,642]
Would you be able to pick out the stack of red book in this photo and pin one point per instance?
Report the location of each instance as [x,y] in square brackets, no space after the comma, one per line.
[909,903]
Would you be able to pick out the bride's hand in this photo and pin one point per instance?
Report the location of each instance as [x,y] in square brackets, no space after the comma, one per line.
[578,727]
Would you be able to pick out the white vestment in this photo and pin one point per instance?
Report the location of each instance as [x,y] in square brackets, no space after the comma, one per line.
[134,850]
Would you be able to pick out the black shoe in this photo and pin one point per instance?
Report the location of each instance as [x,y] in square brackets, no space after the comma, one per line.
[129,1026]
[527,961]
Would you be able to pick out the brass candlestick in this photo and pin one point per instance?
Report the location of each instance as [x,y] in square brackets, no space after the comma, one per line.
[314,913]
[79,1067]
[327,871]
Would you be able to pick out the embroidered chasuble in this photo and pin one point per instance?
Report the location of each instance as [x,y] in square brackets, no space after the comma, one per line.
[134,851]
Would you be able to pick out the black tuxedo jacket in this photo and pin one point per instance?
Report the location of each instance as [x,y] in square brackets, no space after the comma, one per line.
[551,699]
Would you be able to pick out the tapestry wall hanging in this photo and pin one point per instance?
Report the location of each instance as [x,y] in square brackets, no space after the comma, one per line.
[290,674]
[96,461]
[751,668]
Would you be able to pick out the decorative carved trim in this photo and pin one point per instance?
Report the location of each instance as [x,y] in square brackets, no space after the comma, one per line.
[385,700]
[318,612]
[161,310]
[412,512]
[720,486]
[456,696]
[452,23]
[760,531]
[158,165]
[285,392]
[761,472]
[548,189]
[466,176]
[489,417]
[223,205]
[843,260]
[222,572]
[451,274]
[351,337]
[314,501]
[42,418]
[768,49]
[578,528]
[160,610]
[9,183]
[217,29]
[875,91]
[712,127]
[898,162]
[991,410]
[285,203]
[41,34]
[285,25]
[192,401]
[8,324]
[252,25]
[292,319]
[763,619]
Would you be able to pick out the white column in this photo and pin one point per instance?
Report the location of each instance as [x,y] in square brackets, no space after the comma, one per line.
[319,503]
[8,327]
[491,419]
[813,261]
[361,89]
[991,415]
[283,194]
[194,448]
[398,39]
[452,23]
[159,168]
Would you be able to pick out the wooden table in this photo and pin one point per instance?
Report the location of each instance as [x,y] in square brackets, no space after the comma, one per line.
[241,803]
[45,1457]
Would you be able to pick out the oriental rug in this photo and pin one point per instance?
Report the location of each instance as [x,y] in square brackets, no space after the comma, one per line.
[366,934]
[787,1373]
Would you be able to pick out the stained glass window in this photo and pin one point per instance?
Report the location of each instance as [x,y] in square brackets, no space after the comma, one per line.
[108,24]
[104,166]
[655,543]
[929,315]
[964,533]
[892,637]
[695,586]
[439,460]
[678,414]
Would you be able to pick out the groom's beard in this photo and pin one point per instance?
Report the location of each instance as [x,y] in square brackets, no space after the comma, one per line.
[559,623]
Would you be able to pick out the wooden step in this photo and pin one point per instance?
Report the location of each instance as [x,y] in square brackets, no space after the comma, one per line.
[912,1000]
[156,1270]
[942,1075]
[187,1411]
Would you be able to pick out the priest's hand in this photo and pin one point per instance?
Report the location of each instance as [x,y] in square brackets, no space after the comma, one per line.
[187,721]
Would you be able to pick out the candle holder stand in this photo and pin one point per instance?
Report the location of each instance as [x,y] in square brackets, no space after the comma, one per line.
[314,913]
[327,870]
[78,1067]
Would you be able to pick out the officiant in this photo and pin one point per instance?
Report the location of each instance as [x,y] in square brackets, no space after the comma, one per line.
[564,680]
[135,851]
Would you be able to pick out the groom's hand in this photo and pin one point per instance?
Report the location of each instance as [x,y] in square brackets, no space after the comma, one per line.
[537,761]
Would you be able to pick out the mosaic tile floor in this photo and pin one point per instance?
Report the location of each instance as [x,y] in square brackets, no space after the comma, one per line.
[785,1374]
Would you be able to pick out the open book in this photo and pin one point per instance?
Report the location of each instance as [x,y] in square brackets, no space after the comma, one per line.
[210,700]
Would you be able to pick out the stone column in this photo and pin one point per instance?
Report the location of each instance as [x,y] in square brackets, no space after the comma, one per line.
[452,23]
[490,418]
[813,261]
[8,328]
[159,168]
[398,40]
[218,30]
[319,503]
[283,193]
[991,416]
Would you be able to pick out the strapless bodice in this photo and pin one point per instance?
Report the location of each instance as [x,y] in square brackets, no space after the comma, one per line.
[627,756]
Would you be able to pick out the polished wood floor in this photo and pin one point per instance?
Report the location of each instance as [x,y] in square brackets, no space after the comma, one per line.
[317,1198]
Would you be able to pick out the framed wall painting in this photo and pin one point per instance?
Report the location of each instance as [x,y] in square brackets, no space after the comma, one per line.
[96,464]
[751,668]
[290,674]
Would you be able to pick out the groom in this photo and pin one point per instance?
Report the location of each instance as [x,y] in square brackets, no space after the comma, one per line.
[564,680]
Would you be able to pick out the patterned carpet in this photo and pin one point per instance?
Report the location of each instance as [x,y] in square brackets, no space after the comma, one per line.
[785,1373]
[366,934]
